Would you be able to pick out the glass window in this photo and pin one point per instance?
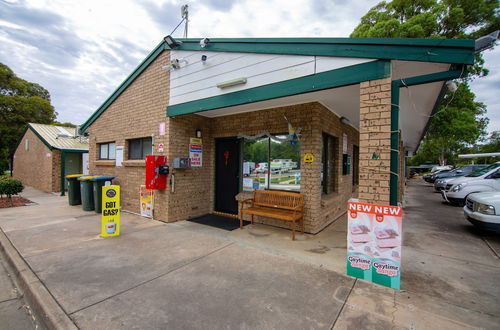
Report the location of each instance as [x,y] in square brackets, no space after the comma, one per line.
[139,148]
[271,164]
[107,150]
[329,162]
[284,164]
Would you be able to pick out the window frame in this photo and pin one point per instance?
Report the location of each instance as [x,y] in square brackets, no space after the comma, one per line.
[269,175]
[107,144]
[142,144]
[330,152]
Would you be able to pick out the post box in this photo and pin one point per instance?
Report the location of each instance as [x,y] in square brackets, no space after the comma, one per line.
[156,172]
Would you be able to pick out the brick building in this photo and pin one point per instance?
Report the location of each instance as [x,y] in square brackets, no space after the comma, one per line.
[46,153]
[359,105]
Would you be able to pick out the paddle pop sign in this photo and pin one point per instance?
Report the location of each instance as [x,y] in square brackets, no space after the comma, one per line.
[374,238]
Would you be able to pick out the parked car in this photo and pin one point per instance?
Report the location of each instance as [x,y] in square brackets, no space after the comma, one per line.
[431,177]
[483,210]
[487,179]
[440,182]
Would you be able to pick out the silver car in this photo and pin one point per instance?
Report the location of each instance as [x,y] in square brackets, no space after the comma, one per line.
[440,184]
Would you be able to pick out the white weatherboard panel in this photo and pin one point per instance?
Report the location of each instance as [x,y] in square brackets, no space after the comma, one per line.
[201,89]
[196,80]
[214,75]
[257,75]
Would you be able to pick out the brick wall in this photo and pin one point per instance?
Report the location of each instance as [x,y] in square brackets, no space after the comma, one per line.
[35,166]
[136,113]
[194,193]
[374,139]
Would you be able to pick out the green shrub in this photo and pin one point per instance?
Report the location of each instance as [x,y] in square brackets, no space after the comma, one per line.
[10,186]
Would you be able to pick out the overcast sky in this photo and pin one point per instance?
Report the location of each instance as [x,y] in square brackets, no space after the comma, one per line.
[82,50]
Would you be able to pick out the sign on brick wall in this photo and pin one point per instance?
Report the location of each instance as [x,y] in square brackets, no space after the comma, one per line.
[196,154]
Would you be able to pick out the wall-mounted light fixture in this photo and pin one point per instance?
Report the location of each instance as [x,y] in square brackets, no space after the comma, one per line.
[452,87]
[234,82]
[203,58]
[345,121]
[171,42]
[198,133]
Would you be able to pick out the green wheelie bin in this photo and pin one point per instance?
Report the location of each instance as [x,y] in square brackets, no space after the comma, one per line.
[98,182]
[74,193]
[86,192]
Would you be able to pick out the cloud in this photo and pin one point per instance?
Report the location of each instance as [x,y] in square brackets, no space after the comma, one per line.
[166,15]
[46,31]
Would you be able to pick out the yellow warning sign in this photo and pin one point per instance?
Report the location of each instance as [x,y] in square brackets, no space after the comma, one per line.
[195,141]
[110,219]
[308,158]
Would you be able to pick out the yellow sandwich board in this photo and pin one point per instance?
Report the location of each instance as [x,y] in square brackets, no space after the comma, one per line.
[110,220]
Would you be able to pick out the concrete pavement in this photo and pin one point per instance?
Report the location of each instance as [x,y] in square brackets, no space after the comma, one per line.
[15,313]
[186,275]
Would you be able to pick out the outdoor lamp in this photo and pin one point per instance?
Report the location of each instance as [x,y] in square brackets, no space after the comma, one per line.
[344,120]
[171,42]
[198,133]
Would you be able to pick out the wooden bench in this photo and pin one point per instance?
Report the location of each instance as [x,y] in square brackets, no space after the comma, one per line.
[281,205]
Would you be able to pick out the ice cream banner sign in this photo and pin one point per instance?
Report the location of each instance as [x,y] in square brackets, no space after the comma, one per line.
[110,219]
[374,237]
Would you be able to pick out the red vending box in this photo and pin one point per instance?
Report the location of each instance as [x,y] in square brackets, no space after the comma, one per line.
[154,177]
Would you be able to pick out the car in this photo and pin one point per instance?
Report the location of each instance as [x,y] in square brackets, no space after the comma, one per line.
[487,179]
[431,177]
[441,179]
[483,210]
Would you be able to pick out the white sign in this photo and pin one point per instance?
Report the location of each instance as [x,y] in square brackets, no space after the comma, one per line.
[246,168]
[196,154]
[247,182]
[119,156]
[344,147]
[161,147]
[85,163]
[161,129]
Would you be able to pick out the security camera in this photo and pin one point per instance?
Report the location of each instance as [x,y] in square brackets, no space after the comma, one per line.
[204,42]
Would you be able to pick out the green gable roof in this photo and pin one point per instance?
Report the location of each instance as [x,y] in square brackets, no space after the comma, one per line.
[424,50]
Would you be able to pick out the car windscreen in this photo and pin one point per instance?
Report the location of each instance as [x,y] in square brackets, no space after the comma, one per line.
[485,170]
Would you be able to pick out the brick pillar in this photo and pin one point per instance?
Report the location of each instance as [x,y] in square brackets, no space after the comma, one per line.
[375,141]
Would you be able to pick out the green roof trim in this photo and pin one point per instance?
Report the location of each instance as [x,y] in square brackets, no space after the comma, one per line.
[423,50]
[335,78]
[452,51]
[39,136]
[137,71]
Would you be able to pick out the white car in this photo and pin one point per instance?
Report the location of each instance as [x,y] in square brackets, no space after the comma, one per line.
[487,179]
[483,210]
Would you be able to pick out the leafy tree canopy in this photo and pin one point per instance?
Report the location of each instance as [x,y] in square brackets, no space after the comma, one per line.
[21,102]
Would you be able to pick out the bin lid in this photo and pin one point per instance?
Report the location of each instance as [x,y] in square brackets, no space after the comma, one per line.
[101,177]
[73,176]
[86,177]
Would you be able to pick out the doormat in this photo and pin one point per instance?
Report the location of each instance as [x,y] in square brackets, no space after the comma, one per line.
[217,221]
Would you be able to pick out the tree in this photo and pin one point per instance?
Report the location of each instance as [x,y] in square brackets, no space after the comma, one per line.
[21,102]
[459,120]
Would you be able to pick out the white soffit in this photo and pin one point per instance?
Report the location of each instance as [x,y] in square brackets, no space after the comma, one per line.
[342,101]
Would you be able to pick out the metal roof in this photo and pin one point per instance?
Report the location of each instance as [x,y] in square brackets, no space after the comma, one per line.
[60,137]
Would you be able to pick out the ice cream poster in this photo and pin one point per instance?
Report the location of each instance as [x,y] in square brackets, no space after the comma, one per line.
[147,201]
[374,237]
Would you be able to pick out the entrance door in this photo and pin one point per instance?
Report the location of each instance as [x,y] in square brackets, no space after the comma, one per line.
[227,174]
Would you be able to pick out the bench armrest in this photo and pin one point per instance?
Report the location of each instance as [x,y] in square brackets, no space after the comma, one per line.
[248,200]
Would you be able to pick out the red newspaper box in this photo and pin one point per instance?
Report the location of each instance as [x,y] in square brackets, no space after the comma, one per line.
[156,175]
